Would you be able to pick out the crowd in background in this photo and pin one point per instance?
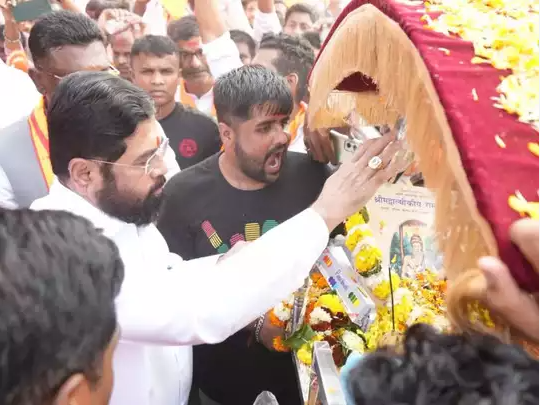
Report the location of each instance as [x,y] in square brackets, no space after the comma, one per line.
[201,131]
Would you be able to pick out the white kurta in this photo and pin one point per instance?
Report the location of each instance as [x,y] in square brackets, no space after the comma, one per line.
[166,305]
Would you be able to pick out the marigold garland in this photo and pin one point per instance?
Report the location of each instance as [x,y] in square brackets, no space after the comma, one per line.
[279,345]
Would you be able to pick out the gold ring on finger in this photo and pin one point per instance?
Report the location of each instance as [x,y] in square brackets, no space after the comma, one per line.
[375,163]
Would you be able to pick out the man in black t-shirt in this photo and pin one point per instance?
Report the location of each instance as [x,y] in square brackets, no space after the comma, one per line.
[238,195]
[155,68]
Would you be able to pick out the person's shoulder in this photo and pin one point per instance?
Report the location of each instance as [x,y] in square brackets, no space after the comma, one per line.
[194,178]
[196,115]
[303,165]
[13,132]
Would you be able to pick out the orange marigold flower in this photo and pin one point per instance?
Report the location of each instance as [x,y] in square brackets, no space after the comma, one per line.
[274,320]
[279,345]
[309,309]
[318,280]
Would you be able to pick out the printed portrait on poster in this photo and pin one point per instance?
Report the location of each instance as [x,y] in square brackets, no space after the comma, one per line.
[413,249]
[405,233]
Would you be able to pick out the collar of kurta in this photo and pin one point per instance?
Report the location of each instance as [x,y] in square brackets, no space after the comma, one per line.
[380,60]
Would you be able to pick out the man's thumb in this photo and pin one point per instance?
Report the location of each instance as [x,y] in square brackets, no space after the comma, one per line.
[493,269]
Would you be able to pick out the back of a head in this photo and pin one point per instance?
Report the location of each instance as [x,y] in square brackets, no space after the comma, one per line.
[241,90]
[295,56]
[61,28]
[302,8]
[59,278]
[156,45]
[90,116]
[243,37]
[446,369]
[183,29]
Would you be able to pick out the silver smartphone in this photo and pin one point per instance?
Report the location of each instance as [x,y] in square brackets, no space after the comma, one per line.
[344,146]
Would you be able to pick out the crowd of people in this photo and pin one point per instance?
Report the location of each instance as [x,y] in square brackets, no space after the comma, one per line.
[160,191]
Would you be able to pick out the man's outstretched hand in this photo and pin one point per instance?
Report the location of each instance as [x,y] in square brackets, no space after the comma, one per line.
[355,182]
[503,294]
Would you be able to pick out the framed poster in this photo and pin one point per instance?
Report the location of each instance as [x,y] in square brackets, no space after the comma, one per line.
[401,218]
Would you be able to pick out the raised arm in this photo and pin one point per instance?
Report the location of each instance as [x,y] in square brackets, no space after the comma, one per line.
[220,51]
[205,302]
[266,20]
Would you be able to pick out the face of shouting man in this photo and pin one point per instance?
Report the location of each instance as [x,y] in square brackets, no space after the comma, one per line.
[253,106]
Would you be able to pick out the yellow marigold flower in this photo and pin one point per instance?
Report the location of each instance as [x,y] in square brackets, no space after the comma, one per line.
[353,220]
[382,290]
[331,302]
[304,354]
[367,259]
[534,148]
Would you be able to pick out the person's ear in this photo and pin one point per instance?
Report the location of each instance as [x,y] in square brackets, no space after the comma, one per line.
[226,133]
[292,81]
[83,174]
[37,78]
[75,391]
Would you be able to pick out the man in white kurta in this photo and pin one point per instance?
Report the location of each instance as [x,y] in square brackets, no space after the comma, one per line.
[166,305]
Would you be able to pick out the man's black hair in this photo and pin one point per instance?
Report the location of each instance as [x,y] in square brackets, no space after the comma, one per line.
[61,28]
[295,56]
[314,39]
[302,8]
[183,29]
[241,37]
[157,45]
[238,93]
[90,116]
[59,277]
[446,369]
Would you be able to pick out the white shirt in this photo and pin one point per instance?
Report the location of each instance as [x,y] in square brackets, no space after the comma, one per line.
[165,305]
[204,104]
[18,95]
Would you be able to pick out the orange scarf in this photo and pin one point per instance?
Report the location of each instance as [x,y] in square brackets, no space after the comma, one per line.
[186,99]
[40,138]
[297,122]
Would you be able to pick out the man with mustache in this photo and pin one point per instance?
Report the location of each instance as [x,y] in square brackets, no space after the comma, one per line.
[60,43]
[195,89]
[108,162]
[238,195]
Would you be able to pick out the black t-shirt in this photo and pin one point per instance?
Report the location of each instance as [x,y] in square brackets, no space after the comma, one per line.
[193,136]
[204,215]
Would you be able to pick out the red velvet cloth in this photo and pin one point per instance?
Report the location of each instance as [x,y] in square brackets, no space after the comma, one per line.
[494,173]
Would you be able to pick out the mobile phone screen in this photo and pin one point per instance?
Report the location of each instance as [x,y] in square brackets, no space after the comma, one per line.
[31,10]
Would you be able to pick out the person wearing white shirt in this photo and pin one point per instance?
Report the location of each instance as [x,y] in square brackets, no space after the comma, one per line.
[108,159]
[60,43]
[18,97]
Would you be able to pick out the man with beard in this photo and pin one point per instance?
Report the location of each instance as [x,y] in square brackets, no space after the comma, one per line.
[60,43]
[239,195]
[107,154]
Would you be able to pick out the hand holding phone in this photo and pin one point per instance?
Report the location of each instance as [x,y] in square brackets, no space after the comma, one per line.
[344,146]
[28,10]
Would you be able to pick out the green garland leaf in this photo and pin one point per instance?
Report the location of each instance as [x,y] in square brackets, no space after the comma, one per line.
[302,336]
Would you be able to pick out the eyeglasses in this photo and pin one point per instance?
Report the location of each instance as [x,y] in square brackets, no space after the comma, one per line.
[110,69]
[151,164]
